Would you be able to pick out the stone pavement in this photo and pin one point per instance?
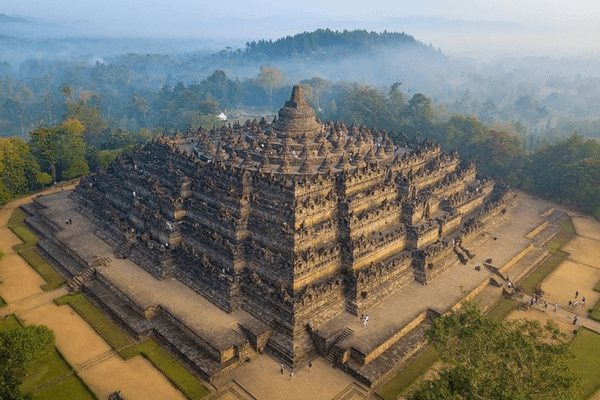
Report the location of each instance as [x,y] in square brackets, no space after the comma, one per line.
[261,378]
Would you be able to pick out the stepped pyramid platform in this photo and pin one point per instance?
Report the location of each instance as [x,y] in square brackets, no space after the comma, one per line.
[278,236]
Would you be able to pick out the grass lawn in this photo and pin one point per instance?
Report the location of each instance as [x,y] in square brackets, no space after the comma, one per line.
[44,370]
[586,347]
[69,388]
[402,380]
[17,218]
[183,379]
[503,308]
[9,322]
[534,279]
[595,313]
[113,335]
[54,279]
[25,235]
[15,223]
[566,233]
[556,257]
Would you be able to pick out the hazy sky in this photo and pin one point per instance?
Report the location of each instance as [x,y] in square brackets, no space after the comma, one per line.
[540,26]
[154,10]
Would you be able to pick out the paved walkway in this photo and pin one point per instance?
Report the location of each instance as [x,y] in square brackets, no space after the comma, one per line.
[566,314]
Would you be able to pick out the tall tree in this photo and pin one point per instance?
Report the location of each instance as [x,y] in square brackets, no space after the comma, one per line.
[419,115]
[271,78]
[18,348]
[60,148]
[19,168]
[91,119]
[487,358]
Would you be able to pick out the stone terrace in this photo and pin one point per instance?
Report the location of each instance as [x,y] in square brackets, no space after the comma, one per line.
[211,341]
[392,315]
[151,304]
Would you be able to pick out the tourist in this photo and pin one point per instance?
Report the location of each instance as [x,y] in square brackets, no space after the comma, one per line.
[583,301]
[555,307]
[575,320]
[545,304]
[281,369]
[309,366]
[291,375]
[576,294]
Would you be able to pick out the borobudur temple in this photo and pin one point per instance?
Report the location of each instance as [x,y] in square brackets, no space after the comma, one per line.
[294,221]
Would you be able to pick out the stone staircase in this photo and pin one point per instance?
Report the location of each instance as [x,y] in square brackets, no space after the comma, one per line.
[101,262]
[330,355]
[239,329]
[78,281]
[391,360]
[124,249]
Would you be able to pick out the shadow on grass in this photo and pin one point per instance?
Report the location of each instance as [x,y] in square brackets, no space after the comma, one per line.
[402,381]
[46,375]
[160,358]
[44,370]
[71,388]
[8,323]
[53,278]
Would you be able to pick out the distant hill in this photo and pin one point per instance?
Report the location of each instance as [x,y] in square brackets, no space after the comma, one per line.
[332,43]
[6,19]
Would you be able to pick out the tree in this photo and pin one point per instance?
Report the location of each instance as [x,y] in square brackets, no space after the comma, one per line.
[19,168]
[364,105]
[271,78]
[487,358]
[67,91]
[43,179]
[419,115]
[60,148]
[90,118]
[465,133]
[18,348]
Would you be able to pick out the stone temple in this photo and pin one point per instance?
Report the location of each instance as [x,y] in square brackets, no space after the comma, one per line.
[294,222]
